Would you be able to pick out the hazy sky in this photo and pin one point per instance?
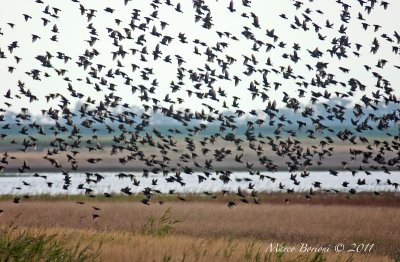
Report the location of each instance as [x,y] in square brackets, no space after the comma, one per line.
[73,32]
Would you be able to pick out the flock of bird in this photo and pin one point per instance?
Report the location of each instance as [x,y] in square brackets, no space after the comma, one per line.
[135,64]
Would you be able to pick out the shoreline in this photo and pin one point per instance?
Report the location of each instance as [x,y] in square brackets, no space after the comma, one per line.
[385,199]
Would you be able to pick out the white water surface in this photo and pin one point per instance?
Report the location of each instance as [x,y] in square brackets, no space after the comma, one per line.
[14,184]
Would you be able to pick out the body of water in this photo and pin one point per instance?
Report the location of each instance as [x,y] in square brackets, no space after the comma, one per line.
[54,183]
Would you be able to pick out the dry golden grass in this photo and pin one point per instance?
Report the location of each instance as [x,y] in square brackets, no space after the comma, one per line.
[126,246]
[208,229]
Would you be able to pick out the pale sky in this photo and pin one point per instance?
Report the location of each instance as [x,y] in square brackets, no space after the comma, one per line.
[73,32]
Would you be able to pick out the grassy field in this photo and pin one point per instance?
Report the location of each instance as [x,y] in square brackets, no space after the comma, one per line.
[199,230]
[111,163]
[340,153]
